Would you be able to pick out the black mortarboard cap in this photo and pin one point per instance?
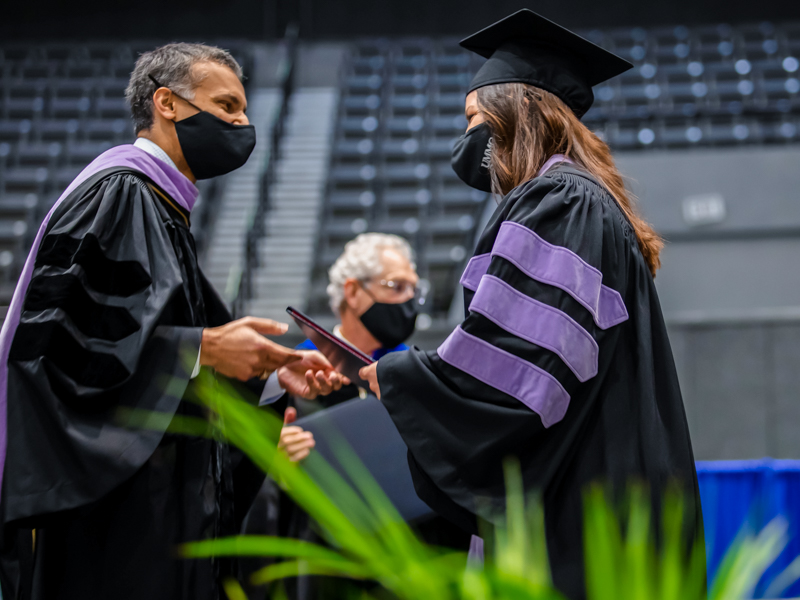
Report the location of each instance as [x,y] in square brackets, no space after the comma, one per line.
[527,48]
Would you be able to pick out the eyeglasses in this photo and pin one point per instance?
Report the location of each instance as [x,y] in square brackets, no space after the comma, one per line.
[401,288]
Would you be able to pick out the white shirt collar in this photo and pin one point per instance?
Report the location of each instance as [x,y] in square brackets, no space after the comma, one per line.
[337,331]
[154,149]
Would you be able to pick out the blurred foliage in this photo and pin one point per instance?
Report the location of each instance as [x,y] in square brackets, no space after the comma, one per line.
[368,540]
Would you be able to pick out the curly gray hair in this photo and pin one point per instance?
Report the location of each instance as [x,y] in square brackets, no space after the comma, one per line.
[361,259]
[171,66]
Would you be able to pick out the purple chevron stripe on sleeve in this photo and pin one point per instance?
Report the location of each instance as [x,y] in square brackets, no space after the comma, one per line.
[562,268]
[476,268]
[534,387]
[537,323]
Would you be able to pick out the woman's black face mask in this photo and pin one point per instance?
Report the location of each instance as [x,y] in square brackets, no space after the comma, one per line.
[210,145]
[472,156]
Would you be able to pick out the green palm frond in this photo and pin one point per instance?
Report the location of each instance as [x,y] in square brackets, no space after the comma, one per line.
[368,540]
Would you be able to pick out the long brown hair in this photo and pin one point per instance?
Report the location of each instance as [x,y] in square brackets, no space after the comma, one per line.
[529,125]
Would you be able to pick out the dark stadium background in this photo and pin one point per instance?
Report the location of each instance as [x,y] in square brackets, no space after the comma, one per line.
[719,130]
[327,19]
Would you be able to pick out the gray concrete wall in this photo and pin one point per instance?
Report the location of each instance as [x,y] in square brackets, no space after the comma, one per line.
[731,292]
[759,183]
[747,262]
[741,388]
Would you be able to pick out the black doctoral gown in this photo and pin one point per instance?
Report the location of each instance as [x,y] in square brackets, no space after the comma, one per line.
[562,360]
[112,319]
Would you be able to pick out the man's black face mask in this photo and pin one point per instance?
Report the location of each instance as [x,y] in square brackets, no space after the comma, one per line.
[210,145]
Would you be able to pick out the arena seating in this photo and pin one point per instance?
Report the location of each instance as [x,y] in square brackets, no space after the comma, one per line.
[402,108]
[60,106]
[706,86]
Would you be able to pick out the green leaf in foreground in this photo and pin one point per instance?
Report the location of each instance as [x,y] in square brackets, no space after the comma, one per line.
[369,541]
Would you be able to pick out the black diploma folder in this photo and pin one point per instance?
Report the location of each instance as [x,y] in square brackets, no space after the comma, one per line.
[346,359]
[365,425]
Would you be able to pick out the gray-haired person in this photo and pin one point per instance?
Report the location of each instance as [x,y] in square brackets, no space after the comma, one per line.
[110,305]
[375,292]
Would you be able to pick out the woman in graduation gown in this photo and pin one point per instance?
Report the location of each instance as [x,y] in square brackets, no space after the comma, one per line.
[562,359]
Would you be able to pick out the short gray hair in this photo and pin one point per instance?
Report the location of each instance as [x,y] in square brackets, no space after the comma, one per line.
[361,259]
[172,66]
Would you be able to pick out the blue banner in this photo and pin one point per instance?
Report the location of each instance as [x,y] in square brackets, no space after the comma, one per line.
[745,495]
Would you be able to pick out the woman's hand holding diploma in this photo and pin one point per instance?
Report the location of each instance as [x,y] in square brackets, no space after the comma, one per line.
[370,375]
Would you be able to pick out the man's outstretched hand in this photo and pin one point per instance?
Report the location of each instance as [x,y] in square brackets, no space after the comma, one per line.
[311,376]
[239,349]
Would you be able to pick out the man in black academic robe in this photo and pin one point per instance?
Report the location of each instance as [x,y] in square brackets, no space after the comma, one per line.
[112,312]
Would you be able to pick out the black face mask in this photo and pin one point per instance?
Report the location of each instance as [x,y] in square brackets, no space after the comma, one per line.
[391,324]
[211,146]
[472,155]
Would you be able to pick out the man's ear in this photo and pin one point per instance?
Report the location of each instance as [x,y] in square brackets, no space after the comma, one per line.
[164,103]
[351,287]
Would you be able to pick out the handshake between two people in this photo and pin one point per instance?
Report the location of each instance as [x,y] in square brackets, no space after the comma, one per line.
[239,350]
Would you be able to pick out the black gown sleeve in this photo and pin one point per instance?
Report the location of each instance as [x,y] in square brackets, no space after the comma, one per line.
[542,320]
[97,333]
